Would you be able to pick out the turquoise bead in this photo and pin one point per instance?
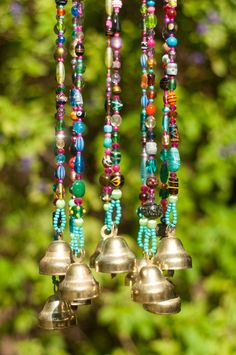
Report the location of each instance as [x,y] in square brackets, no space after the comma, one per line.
[151,166]
[165,123]
[107,142]
[173,159]
[172,41]
[164,154]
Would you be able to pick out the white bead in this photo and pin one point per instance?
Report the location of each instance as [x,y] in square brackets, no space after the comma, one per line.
[173,198]
[151,148]
[171,69]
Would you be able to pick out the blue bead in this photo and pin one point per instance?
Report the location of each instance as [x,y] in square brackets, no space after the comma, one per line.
[107,128]
[143,60]
[173,159]
[79,127]
[60,158]
[172,41]
[61,172]
[79,164]
[165,123]
[74,11]
[144,101]
[79,144]
[107,142]
[61,39]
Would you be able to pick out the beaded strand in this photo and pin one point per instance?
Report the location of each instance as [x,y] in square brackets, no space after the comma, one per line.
[59,216]
[149,211]
[112,180]
[172,157]
[77,115]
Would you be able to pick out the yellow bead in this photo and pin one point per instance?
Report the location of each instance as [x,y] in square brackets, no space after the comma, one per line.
[109,8]
[60,73]
[109,58]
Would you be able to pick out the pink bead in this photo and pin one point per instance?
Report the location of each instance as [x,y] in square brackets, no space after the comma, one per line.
[107,151]
[108,170]
[115,146]
[78,201]
[144,188]
[116,168]
[151,9]
[151,43]
[107,135]
[109,23]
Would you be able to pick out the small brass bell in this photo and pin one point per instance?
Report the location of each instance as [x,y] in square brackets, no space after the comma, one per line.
[97,252]
[171,254]
[79,284]
[56,259]
[151,286]
[132,276]
[56,314]
[115,256]
[171,306]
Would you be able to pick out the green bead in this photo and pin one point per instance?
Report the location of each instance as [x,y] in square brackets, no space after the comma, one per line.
[109,57]
[151,166]
[106,206]
[60,89]
[143,221]
[60,125]
[116,194]
[164,173]
[60,73]
[172,84]
[151,21]
[78,188]
[78,222]
[80,68]
[164,154]
[143,9]
[173,159]
[164,193]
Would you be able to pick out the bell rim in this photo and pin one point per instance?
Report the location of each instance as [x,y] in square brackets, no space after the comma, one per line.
[116,268]
[174,264]
[156,308]
[56,325]
[72,296]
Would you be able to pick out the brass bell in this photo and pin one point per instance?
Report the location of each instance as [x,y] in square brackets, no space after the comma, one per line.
[132,276]
[97,252]
[115,256]
[56,259]
[171,306]
[151,286]
[56,314]
[171,254]
[79,284]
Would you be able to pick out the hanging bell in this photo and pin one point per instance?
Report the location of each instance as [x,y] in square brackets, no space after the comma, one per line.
[115,256]
[56,314]
[56,259]
[171,254]
[97,252]
[131,277]
[79,284]
[171,306]
[151,286]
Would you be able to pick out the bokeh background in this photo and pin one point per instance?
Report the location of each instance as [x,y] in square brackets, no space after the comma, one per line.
[207,205]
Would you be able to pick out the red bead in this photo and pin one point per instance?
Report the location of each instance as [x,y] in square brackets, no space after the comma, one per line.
[143,197]
[72,162]
[151,109]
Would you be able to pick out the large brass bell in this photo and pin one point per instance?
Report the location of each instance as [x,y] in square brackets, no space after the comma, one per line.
[56,314]
[79,284]
[171,306]
[115,256]
[151,286]
[171,254]
[132,276]
[56,259]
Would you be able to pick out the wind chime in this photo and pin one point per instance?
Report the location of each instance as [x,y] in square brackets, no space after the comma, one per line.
[73,281]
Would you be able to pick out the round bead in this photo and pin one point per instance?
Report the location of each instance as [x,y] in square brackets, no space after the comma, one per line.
[116,194]
[150,122]
[60,204]
[173,198]
[143,221]
[151,109]
[172,41]
[78,188]
[78,222]
[152,223]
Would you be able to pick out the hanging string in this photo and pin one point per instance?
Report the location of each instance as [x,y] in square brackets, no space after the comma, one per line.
[112,180]
[77,189]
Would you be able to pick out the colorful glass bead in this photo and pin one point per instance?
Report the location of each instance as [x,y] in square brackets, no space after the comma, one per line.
[173,159]
[60,72]
[78,188]
[151,21]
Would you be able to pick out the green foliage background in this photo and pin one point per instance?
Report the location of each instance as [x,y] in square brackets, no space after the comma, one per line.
[207,108]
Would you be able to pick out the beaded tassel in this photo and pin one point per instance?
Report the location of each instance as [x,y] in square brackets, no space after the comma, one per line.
[77,115]
[149,210]
[172,155]
[112,180]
